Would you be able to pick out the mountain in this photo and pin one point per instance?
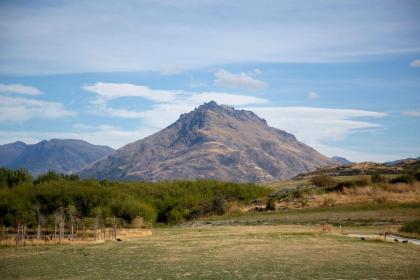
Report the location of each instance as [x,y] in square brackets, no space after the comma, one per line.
[213,141]
[341,160]
[400,161]
[10,152]
[61,155]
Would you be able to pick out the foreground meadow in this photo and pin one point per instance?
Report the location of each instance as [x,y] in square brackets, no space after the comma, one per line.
[220,252]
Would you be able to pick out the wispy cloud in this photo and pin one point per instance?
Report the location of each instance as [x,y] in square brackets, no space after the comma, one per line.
[18,109]
[168,70]
[316,126]
[242,80]
[415,63]
[414,113]
[56,38]
[19,89]
[109,91]
[105,92]
[313,95]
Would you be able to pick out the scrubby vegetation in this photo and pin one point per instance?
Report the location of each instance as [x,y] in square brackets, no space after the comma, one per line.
[53,197]
[405,178]
[411,227]
[323,190]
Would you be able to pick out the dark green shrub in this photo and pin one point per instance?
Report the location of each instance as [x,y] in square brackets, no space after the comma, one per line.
[271,204]
[12,178]
[417,175]
[220,205]
[348,184]
[54,176]
[377,178]
[412,227]
[406,178]
[164,202]
[323,181]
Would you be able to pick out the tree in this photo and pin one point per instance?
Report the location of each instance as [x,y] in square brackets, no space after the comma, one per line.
[271,204]
[71,212]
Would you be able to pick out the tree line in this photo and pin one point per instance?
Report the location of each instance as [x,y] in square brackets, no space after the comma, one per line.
[55,201]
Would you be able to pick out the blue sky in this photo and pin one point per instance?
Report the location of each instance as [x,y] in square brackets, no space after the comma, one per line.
[343,76]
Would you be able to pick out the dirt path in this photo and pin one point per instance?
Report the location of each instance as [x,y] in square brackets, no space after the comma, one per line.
[389,238]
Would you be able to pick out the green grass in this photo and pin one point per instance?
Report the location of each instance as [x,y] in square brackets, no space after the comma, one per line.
[225,252]
[350,214]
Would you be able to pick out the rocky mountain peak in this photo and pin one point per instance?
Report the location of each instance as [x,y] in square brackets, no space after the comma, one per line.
[208,111]
[213,141]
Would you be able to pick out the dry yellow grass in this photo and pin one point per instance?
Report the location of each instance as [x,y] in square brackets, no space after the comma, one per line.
[124,234]
[398,193]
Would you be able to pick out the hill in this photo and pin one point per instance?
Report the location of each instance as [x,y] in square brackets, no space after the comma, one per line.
[341,160]
[61,155]
[213,141]
[10,152]
[366,168]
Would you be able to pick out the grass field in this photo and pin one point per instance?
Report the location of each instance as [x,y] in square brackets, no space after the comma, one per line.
[219,252]
[351,214]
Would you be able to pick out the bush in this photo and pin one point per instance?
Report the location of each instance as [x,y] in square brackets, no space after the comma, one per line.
[412,227]
[348,184]
[54,176]
[417,175]
[12,178]
[220,205]
[377,178]
[323,181]
[271,204]
[406,178]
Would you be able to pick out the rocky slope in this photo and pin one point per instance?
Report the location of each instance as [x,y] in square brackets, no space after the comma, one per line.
[213,141]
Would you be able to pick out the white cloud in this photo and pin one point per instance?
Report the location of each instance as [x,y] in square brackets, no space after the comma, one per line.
[17,109]
[313,95]
[316,126]
[414,113]
[415,63]
[224,98]
[19,89]
[169,70]
[189,34]
[255,72]
[242,81]
[109,91]
[359,155]
[105,92]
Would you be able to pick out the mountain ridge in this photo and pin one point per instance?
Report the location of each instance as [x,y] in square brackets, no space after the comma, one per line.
[60,155]
[213,141]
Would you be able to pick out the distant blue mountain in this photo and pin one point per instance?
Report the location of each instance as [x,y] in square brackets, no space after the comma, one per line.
[60,155]
[396,162]
[341,160]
